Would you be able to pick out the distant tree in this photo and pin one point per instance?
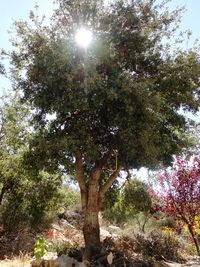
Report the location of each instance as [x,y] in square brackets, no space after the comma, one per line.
[133,201]
[180,194]
[115,105]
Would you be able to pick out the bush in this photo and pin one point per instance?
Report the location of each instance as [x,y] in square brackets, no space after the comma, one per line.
[159,245]
[69,197]
[41,247]
[28,203]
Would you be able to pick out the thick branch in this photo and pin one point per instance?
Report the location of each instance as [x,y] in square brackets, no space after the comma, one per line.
[104,160]
[79,171]
[80,179]
[109,182]
[96,171]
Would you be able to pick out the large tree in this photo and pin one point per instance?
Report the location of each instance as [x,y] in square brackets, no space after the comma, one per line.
[115,105]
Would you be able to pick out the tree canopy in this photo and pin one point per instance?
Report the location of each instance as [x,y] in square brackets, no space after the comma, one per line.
[122,94]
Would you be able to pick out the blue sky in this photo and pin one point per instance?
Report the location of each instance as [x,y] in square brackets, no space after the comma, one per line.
[12,10]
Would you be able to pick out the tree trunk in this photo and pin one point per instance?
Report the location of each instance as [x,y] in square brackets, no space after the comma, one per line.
[91,228]
[91,232]
[92,198]
[194,239]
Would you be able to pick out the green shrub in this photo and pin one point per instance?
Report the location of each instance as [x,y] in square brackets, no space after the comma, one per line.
[30,201]
[121,206]
[41,247]
[69,197]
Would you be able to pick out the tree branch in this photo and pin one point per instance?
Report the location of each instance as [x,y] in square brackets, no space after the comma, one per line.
[109,182]
[96,171]
[80,179]
[103,161]
[79,171]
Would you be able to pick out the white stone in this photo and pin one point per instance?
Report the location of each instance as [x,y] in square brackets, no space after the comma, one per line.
[66,224]
[104,232]
[66,261]
[113,227]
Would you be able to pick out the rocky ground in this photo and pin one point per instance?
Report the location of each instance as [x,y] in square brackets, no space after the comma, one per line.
[67,231]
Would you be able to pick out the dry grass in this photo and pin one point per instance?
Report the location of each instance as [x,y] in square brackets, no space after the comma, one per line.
[23,260]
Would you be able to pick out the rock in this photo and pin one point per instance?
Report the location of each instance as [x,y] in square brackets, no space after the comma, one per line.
[56,227]
[44,263]
[113,227]
[72,216]
[66,224]
[104,233]
[66,261]
[62,261]
[50,256]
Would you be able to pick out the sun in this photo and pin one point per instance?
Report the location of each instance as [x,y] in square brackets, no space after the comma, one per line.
[83,37]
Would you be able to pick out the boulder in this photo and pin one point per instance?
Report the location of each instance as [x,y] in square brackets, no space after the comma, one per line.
[65,261]
[73,218]
[104,233]
[62,261]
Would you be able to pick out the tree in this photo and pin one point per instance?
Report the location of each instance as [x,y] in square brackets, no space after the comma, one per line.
[133,201]
[13,137]
[114,105]
[180,194]
[24,198]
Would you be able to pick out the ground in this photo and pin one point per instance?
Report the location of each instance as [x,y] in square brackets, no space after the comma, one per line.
[62,232]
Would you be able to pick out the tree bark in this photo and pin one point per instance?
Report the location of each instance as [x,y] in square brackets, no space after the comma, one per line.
[91,232]
[92,198]
[194,239]
[81,181]
[91,229]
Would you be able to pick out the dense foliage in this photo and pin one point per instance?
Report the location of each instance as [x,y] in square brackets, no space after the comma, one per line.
[123,93]
[24,198]
[132,199]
